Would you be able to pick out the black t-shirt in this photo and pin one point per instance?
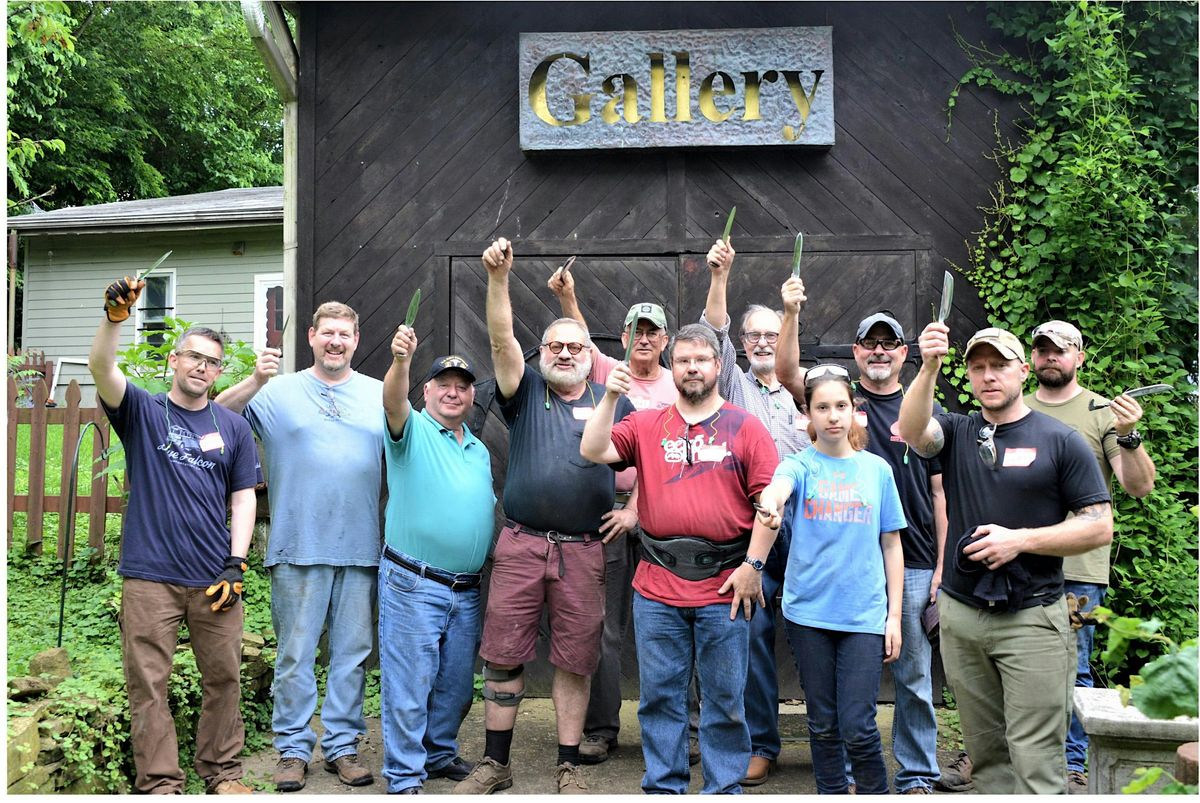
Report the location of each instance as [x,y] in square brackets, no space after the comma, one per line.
[912,474]
[1044,470]
[548,485]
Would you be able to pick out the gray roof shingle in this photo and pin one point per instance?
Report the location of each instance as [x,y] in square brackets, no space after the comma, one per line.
[237,206]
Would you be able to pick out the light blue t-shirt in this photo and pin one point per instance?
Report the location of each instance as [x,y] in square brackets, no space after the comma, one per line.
[324,457]
[441,506]
[834,578]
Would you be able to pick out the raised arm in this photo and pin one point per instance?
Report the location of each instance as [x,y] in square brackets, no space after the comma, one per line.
[917,425]
[597,444]
[236,398]
[787,353]
[720,261]
[563,287]
[507,360]
[119,298]
[397,380]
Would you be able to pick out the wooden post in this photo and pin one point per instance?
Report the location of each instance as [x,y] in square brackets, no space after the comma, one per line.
[12,455]
[35,520]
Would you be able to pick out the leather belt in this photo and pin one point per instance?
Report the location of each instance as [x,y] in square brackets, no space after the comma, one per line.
[464,581]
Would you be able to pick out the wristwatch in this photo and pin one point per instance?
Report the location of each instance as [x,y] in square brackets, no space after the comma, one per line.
[1131,441]
[755,564]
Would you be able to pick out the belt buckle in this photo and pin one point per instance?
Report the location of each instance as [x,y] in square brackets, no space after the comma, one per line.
[551,536]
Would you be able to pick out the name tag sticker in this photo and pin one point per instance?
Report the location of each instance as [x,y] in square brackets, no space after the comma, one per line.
[582,413]
[713,453]
[211,442]
[1019,458]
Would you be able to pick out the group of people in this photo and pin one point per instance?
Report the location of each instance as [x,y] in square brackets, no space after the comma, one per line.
[706,499]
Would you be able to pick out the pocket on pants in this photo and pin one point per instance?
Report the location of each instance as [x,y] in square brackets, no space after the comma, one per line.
[402,581]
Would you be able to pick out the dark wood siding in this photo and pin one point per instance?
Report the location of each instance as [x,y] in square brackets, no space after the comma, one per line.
[410,165]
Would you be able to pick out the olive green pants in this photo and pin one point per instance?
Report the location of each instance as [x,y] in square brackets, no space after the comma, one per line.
[1012,675]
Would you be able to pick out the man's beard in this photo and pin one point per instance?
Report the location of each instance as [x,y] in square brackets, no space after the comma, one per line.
[878,371]
[564,378]
[762,365]
[1055,377]
[1008,401]
[704,393]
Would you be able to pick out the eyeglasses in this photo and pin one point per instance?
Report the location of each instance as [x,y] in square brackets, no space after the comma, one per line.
[331,412]
[825,369]
[698,362]
[869,343]
[556,347]
[986,443]
[753,337]
[196,358]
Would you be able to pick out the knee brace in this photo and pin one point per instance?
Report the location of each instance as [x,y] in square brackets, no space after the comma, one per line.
[507,699]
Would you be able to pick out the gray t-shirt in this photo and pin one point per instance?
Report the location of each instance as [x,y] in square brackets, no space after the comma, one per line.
[324,449]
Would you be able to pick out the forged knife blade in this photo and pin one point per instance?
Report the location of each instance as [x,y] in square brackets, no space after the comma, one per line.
[947,296]
[411,317]
[1147,390]
[629,330]
[112,302]
[797,253]
[729,225]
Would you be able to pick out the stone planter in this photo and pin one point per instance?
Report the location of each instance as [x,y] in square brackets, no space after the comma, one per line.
[1121,739]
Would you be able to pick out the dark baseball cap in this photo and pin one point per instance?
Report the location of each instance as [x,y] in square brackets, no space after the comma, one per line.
[451,362]
[879,317]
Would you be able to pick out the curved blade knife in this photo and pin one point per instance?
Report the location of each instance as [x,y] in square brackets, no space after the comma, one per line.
[797,253]
[947,296]
[411,317]
[1148,390]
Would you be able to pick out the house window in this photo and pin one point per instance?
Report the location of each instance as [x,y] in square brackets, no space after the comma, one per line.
[155,304]
[268,310]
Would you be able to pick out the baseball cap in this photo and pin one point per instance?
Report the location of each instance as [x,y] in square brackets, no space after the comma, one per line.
[451,362]
[879,317]
[1004,342]
[651,312]
[1061,333]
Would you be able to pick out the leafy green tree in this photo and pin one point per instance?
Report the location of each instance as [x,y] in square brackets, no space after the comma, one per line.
[164,98]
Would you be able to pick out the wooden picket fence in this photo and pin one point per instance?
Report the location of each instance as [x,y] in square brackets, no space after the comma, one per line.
[36,503]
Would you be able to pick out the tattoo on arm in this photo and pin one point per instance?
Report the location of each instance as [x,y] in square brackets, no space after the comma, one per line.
[1093,512]
[932,440]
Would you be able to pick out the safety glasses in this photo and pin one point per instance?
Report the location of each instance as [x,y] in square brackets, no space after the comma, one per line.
[985,442]
[825,370]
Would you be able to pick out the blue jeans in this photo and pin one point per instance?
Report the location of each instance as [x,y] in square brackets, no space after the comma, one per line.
[428,640]
[762,681]
[1077,741]
[304,601]
[914,727]
[840,673]
[669,641]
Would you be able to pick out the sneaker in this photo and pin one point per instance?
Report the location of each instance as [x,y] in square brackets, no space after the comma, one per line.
[594,748]
[456,770]
[1077,782]
[488,776]
[570,780]
[957,776]
[289,774]
[759,770]
[231,787]
[349,771]
[693,751]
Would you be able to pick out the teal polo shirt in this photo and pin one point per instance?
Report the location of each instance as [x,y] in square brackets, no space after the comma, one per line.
[441,504]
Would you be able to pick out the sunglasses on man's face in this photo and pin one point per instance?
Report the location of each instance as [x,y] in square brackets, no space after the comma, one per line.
[556,347]
[889,344]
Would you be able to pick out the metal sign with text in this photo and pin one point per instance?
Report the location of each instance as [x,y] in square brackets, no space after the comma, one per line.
[667,89]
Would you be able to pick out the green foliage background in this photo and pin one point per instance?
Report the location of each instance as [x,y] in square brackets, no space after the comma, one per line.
[1095,223]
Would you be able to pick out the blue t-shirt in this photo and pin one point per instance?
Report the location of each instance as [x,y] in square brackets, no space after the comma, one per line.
[324,455]
[183,465]
[440,498]
[835,577]
[549,486]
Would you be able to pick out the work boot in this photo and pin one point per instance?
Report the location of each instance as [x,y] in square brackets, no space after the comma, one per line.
[570,780]
[957,776]
[233,786]
[289,774]
[349,771]
[594,748]
[488,776]
[693,751]
[1077,782]
[760,769]
[456,770]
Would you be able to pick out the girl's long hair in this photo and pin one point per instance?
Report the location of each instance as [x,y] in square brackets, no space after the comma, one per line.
[858,433]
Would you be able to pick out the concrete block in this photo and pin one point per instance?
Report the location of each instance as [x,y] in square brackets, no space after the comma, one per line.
[1121,739]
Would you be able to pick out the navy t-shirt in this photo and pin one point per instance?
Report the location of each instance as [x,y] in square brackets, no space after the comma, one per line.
[181,476]
[1044,470]
[912,474]
[549,485]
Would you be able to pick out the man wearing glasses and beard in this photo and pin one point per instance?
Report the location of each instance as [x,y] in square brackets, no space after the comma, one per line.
[550,551]
[1022,492]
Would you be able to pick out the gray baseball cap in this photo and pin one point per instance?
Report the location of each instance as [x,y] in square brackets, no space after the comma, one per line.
[879,317]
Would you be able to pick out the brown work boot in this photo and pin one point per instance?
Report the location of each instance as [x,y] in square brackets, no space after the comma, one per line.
[488,776]
[289,774]
[1077,782]
[693,751]
[594,749]
[233,786]
[349,771]
[759,770]
[957,776]
[570,780]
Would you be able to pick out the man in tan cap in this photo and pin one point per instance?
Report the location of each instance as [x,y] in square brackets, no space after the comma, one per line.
[1111,433]
[1022,491]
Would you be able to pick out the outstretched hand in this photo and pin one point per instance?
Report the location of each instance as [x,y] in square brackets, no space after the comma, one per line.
[120,296]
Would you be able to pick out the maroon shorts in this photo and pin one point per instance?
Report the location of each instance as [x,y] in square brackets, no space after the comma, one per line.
[524,579]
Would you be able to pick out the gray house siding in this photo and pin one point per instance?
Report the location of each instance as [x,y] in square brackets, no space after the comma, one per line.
[65,276]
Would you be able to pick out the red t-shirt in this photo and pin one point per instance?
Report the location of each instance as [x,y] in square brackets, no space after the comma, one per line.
[732,458]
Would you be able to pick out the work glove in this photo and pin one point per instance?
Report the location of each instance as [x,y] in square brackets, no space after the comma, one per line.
[120,296]
[1078,617]
[228,584]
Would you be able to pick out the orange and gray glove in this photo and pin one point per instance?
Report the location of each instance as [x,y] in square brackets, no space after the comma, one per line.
[1076,614]
[228,584]
[120,296]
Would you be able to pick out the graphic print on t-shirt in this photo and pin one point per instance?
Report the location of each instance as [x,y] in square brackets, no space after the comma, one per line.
[837,498]
[183,446]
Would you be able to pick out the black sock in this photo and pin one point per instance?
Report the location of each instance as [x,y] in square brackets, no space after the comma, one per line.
[568,754]
[498,744]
